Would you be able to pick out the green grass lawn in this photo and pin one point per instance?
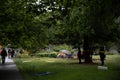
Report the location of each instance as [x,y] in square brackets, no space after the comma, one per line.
[68,69]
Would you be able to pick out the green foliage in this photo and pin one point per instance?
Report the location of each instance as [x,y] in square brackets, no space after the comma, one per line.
[93,19]
[32,25]
[57,48]
[50,55]
[53,51]
[20,27]
[109,53]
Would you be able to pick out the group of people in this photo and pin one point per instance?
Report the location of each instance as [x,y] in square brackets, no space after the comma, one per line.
[101,54]
[4,54]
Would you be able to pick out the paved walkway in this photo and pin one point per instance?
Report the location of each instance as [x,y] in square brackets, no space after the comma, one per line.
[9,71]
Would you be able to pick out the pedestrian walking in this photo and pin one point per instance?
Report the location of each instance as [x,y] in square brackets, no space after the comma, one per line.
[12,53]
[3,55]
[9,53]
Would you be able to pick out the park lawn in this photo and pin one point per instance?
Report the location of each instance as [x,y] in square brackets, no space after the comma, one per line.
[68,69]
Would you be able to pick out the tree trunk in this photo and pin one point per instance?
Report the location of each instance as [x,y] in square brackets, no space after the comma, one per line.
[87,51]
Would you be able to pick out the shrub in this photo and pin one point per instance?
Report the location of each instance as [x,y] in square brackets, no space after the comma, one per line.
[52,55]
[57,48]
[109,53]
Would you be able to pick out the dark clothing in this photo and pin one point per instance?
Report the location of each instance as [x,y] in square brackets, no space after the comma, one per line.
[3,59]
[12,53]
[9,53]
[79,55]
[3,55]
[102,57]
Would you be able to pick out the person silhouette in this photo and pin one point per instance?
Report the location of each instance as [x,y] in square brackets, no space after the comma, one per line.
[79,55]
[3,55]
[12,53]
[102,55]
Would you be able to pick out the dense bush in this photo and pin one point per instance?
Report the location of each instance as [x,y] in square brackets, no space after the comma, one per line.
[52,55]
[109,53]
[57,48]
[52,51]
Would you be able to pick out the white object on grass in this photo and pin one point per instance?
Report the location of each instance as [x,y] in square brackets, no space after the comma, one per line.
[102,67]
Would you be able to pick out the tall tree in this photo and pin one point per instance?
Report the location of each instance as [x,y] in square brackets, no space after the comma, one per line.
[92,22]
[19,26]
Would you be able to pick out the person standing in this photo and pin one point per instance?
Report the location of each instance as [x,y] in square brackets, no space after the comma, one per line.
[79,55]
[3,55]
[9,53]
[12,53]
[102,55]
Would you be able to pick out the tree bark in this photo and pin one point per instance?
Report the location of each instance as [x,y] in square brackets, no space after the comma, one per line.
[86,50]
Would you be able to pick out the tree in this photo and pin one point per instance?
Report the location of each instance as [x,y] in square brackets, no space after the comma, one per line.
[92,22]
[19,26]
[26,23]
[36,23]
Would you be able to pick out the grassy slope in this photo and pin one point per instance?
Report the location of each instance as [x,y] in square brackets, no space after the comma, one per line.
[68,69]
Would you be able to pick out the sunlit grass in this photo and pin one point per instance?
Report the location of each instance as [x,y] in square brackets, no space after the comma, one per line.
[68,69]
